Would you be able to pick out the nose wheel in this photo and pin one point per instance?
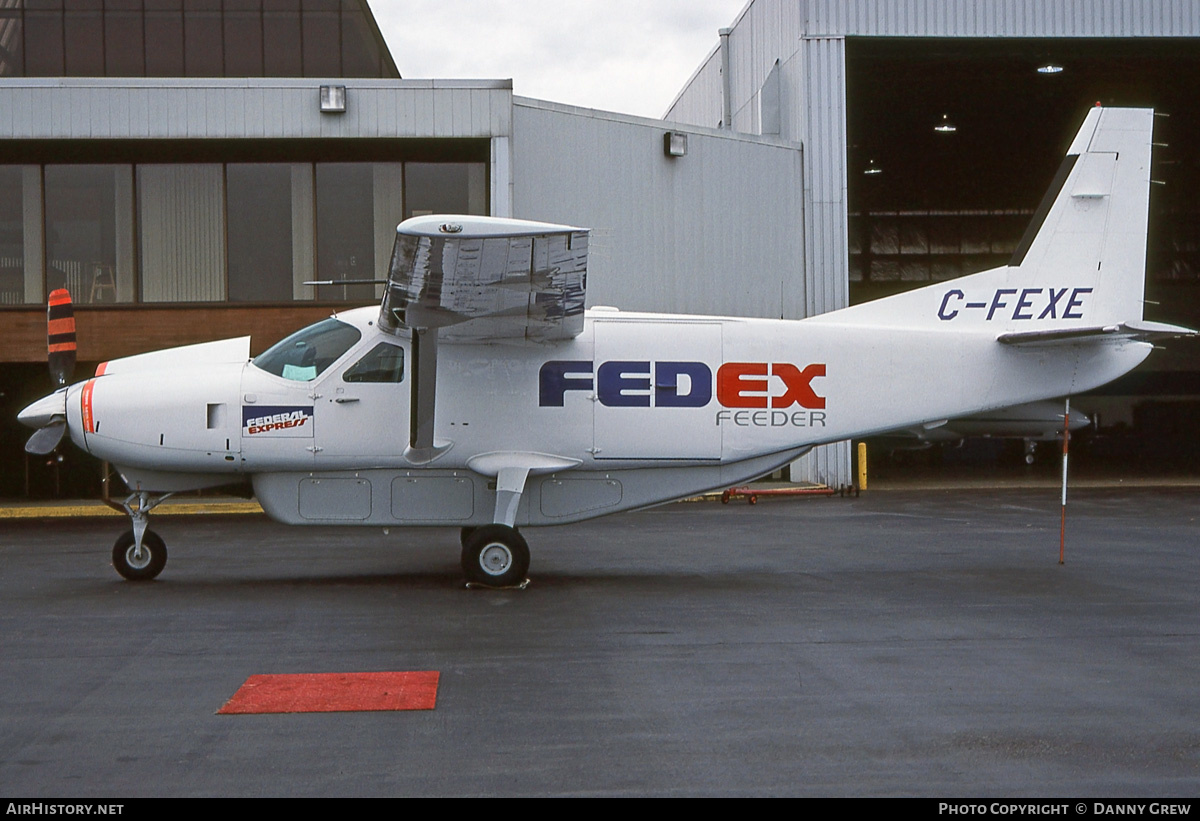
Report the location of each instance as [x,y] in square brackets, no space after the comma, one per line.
[495,556]
[139,564]
[140,554]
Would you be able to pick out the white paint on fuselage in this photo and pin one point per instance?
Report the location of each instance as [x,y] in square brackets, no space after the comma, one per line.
[488,397]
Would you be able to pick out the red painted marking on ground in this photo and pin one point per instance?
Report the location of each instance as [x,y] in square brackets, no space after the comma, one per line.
[334,693]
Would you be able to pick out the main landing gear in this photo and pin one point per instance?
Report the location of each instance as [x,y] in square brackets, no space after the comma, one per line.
[140,554]
[494,555]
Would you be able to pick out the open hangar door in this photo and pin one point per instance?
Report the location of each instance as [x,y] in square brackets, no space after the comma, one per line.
[952,143]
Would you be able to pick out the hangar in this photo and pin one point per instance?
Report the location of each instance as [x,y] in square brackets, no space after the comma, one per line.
[930,130]
[187,167]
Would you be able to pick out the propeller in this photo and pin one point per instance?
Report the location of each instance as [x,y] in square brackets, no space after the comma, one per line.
[60,337]
[49,414]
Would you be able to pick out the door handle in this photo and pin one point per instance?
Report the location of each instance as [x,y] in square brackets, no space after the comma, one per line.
[342,400]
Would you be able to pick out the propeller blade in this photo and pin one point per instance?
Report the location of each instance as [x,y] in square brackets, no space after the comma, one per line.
[46,439]
[60,337]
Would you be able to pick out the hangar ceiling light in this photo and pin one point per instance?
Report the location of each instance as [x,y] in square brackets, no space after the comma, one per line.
[945,126]
[1049,68]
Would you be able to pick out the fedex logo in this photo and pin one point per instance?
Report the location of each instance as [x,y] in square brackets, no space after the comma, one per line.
[1014,303]
[275,420]
[644,384]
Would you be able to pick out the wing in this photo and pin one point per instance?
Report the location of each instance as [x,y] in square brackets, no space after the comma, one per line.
[458,278]
[481,278]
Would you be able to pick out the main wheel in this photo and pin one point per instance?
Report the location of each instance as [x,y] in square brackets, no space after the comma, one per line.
[464,534]
[496,556]
[141,568]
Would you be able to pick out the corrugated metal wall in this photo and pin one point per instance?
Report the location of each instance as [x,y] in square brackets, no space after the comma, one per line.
[238,109]
[1003,18]
[699,103]
[719,231]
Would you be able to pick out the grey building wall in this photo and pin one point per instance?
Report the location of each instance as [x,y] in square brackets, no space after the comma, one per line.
[719,231]
[112,108]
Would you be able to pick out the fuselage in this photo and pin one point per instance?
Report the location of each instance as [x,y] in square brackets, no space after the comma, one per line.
[701,401]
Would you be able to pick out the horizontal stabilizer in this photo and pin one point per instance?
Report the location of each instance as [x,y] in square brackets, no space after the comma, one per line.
[1140,330]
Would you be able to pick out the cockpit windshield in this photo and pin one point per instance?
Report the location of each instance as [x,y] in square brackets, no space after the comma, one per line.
[306,353]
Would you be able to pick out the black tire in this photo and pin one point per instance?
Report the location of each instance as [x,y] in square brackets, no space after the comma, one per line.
[154,559]
[464,534]
[495,556]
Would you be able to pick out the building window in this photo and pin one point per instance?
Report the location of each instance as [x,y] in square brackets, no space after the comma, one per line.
[20,235]
[345,230]
[89,231]
[261,260]
[281,33]
[164,38]
[12,62]
[83,37]
[42,43]
[213,232]
[322,38]
[243,38]
[445,188]
[196,38]
[181,220]
[125,46]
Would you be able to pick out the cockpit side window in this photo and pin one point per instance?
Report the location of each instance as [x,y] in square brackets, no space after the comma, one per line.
[385,363]
[305,354]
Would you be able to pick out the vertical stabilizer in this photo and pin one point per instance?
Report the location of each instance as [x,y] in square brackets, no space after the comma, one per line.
[1093,233]
[1081,263]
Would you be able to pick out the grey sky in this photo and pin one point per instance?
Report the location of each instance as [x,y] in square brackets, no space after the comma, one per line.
[631,56]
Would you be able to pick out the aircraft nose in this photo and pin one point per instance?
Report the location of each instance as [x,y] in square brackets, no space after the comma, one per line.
[40,413]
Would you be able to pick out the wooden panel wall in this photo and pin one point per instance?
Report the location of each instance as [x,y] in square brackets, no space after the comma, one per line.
[109,333]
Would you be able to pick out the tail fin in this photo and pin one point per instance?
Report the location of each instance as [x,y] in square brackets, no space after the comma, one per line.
[1081,264]
[1091,233]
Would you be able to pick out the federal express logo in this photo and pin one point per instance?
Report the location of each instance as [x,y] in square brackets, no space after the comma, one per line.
[278,420]
[776,394]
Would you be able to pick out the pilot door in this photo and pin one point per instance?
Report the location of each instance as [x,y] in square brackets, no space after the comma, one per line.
[361,410]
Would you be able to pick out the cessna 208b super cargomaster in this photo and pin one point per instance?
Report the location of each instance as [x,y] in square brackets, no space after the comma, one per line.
[482,395]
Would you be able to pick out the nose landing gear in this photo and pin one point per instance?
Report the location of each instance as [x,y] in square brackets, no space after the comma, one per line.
[140,554]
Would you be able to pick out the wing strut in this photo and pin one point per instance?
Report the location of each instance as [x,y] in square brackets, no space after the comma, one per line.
[421,448]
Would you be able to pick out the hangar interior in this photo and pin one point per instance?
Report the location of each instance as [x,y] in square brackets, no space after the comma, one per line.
[948,203]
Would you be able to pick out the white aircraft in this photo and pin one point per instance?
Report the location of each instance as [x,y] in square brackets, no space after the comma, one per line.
[482,395]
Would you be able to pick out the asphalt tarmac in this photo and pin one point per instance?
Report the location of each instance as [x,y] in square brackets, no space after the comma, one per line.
[901,643]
